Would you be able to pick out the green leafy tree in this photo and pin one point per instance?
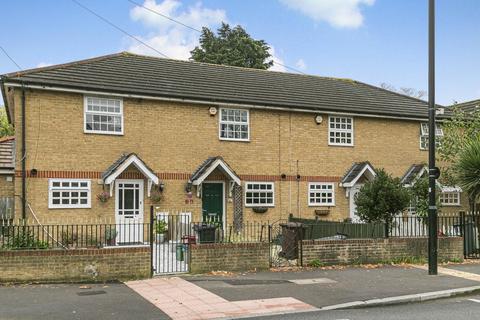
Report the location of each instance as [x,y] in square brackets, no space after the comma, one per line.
[419,197]
[6,129]
[459,130]
[381,199]
[467,170]
[233,47]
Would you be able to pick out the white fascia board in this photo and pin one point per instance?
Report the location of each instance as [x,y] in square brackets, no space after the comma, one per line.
[213,166]
[138,164]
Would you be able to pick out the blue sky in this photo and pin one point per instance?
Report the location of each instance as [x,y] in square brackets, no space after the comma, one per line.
[374,41]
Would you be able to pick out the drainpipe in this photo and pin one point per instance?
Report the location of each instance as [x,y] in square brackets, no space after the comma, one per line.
[24,158]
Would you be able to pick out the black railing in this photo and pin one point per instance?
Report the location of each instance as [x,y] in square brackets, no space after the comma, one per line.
[23,236]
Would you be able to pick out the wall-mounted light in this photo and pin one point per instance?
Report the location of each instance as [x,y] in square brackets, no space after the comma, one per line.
[188,187]
[212,111]
[161,187]
[318,119]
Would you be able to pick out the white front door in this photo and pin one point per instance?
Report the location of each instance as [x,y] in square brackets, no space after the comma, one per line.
[353,206]
[129,211]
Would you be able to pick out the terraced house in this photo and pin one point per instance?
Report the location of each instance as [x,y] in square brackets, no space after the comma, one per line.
[109,136]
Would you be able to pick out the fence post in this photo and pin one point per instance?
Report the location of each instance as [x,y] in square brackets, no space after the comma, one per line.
[151,241]
[462,232]
[387,230]
[301,245]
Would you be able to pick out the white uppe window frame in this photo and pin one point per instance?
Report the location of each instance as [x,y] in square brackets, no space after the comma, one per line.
[450,195]
[249,188]
[331,191]
[103,113]
[424,135]
[350,131]
[227,122]
[59,186]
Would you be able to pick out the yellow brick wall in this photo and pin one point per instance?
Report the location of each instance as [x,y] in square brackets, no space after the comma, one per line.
[6,186]
[177,138]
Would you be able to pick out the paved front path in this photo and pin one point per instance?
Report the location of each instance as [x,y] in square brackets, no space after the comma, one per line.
[181,299]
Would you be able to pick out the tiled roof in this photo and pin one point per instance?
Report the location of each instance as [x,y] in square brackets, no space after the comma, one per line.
[468,106]
[354,171]
[412,173]
[7,153]
[126,73]
[207,165]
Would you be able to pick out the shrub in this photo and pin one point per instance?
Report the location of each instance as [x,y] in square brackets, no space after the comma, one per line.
[381,199]
[22,238]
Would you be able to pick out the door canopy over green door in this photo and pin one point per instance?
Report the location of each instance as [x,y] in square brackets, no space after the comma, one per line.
[209,166]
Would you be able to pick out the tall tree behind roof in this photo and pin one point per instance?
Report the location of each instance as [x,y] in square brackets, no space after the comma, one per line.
[232,47]
[6,129]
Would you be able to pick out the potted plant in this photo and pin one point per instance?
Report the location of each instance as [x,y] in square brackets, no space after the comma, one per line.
[110,236]
[156,197]
[161,228]
[103,196]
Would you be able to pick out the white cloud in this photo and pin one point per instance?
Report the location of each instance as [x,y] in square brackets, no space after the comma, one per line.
[43,64]
[171,38]
[300,64]
[338,13]
[277,61]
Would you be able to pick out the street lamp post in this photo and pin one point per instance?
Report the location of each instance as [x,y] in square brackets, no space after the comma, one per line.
[433,172]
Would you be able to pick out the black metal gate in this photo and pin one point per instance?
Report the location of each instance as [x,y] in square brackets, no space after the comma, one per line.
[172,235]
[470,225]
[285,244]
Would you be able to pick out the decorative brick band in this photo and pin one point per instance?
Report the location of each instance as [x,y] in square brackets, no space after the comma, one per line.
[169,176]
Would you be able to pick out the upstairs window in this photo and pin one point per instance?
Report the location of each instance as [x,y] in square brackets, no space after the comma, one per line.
[234,125]
[103,115]
[424,135]
[68,193]
[259,194]
[340,131]
[321,194]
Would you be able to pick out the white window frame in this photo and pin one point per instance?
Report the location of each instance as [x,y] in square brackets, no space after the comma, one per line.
[330,130]
[424,135]
[61,189]
[450,204]
[316,204]
[86,111]
[252,205]
[220,121]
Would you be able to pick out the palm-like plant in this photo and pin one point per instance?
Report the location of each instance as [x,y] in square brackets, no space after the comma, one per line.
[467,170]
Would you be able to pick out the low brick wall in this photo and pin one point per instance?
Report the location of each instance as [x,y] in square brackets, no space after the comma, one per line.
[75,265]
[353,251]
[229,257]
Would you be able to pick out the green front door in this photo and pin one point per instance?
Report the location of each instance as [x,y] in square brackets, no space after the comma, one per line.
[212,201]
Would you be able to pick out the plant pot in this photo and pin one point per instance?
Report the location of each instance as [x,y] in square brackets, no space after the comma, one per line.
[160,237]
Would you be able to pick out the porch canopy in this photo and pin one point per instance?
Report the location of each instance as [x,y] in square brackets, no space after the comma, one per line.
[209,166]
[356,172]
[119,166]
[415,172]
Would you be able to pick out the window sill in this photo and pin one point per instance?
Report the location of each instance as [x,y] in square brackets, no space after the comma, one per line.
[340,145]
[234,140]
[104,133]
[321,205]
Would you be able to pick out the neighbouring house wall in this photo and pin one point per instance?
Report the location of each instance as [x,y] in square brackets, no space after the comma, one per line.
[354,251]
[229,257]
[75,265]
[174,139]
